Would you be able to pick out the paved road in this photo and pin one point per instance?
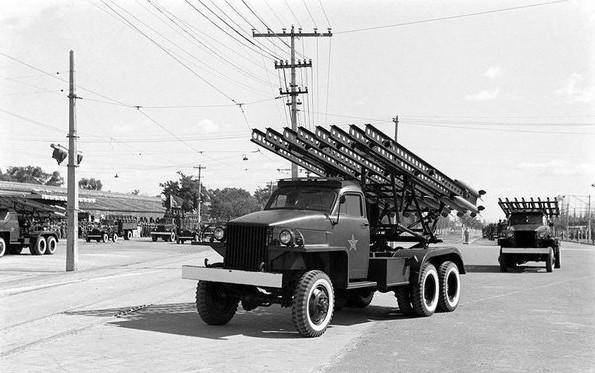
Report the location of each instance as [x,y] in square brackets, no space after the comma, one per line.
[127,309]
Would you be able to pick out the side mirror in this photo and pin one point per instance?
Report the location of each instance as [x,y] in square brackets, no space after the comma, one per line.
[341,201]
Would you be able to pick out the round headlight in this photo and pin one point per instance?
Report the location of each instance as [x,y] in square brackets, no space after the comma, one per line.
[509,234]
[285,237]
[218,233]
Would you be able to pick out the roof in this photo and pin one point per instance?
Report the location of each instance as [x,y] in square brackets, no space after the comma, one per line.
[89,200]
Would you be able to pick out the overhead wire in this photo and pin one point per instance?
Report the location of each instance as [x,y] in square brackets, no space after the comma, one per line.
[236,24]
[324,12]
[310,14]
[170,54]
[250,42]
[292,13]
[213,51]
[464,15]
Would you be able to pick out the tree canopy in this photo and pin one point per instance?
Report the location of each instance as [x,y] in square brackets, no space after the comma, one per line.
[229,203]
[32,175]
[90,184]
[186,189]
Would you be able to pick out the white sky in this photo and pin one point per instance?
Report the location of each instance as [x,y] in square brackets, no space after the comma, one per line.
[503,101]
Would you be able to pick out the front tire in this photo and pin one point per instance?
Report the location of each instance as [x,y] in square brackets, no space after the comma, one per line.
[115,238]
[52,244]
[214,306]
[503,260]
[104,238]
[549,261]
[425,293]
[557,261]
[172,237]
[450,286]
[313,304]
[39,247]
[2,247]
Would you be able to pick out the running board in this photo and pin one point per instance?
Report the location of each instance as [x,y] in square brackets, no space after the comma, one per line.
[361,285]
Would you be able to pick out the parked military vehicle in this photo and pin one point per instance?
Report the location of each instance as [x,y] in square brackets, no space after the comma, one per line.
[366,224]
[529,235]
[25,223]
[164,228]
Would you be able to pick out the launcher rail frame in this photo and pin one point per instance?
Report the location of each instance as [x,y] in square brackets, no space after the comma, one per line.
[548,207]
[408,193]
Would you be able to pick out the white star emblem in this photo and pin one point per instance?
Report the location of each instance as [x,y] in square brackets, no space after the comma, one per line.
[352,243]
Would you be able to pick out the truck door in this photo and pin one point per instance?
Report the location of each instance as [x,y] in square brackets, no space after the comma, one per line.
[353,232]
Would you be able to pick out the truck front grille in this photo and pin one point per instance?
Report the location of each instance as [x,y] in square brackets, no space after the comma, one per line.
[246,246]
[524,238]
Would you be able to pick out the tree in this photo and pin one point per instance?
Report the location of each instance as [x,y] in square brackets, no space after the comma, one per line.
[135,192]
[32,175]
[229,203]
[90,184]
[262,196]
[186,189]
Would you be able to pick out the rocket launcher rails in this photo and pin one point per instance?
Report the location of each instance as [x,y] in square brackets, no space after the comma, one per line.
[399,182]
[548,207]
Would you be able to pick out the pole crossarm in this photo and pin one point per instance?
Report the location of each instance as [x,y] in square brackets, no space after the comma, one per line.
[287,65]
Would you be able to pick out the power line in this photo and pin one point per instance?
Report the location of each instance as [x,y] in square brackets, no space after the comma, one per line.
[230,35]
[453,17]
[310,14]
[170,132]
[324,12]
[169,53]
[213,51]
[293,14]
[33,121]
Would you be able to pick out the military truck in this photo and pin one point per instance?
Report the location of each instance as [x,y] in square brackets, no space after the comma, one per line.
[365,224]
[164,228]
[187,228]
[103,231]
[25,223]
[529,235]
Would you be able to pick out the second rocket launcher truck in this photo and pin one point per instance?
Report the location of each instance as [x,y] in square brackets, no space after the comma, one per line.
[365,224]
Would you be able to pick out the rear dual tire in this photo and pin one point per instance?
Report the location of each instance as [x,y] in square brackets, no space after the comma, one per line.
[52,244]
[39,247]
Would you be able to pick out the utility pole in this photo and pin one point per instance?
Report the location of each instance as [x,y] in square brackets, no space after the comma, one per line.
[396,121]
[73,190]
[200,168]
[293,90]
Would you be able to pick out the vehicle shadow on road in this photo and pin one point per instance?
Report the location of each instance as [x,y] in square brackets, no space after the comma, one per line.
[182,319]
[482,268]
[496,269]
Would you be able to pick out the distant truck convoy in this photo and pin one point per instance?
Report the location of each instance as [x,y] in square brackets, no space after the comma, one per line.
[529,235]
[366,224]
[24,224]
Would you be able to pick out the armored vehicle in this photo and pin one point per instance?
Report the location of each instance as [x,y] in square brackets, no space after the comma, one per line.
[165,228]
[25,223]
[366,224]
[529,235]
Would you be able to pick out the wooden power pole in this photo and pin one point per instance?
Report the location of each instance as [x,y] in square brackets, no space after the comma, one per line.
[73,190]
[200,168]
[293,90]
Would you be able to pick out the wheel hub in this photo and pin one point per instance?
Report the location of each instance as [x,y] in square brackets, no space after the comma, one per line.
[318,305]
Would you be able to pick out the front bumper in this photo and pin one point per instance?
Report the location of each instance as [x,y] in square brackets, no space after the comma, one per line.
[525,250]
[233,276]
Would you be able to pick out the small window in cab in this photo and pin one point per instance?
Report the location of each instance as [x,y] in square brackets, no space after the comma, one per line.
[352,205]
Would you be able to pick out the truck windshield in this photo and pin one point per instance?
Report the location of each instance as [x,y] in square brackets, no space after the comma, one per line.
[3,214]
[526,219]
[302,198]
